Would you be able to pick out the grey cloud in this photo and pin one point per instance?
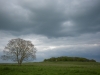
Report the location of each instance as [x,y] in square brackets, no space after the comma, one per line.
[12,16]
[90,53]
[47,17]
[86,45]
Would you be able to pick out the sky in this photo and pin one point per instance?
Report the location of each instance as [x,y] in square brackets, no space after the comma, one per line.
[56,27]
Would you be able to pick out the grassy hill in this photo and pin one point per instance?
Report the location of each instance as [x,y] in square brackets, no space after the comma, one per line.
[66,58]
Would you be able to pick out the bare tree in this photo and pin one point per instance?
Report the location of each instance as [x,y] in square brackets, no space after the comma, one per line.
[19,50]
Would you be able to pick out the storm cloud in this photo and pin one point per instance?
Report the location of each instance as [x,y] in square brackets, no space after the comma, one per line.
[62,27]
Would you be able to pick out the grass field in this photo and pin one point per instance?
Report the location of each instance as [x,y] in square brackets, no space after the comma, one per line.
[51,68]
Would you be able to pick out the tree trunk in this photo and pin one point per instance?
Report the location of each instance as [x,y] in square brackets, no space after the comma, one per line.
[19,63]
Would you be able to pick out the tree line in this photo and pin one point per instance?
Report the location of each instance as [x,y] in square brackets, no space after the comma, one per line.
[66,58]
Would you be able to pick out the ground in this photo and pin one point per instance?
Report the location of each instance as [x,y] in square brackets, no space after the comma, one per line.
[51,68]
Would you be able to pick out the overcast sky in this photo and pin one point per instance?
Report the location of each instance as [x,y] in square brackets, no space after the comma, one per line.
[55,27]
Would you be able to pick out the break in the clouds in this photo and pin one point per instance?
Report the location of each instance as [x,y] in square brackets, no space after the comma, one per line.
[56,27]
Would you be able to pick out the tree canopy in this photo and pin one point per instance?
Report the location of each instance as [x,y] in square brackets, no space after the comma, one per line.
[19,50]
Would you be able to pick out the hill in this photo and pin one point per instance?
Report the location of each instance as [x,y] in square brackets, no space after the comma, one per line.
[66,58]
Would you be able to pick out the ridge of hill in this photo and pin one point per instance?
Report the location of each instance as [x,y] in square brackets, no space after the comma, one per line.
[66,58]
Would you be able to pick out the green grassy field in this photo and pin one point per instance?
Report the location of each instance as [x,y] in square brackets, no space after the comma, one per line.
[51,68]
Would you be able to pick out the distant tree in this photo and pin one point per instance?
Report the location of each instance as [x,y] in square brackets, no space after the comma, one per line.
[66,58]
[19,50]
[92,60]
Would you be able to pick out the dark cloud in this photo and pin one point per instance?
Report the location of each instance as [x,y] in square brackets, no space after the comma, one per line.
[47,17]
